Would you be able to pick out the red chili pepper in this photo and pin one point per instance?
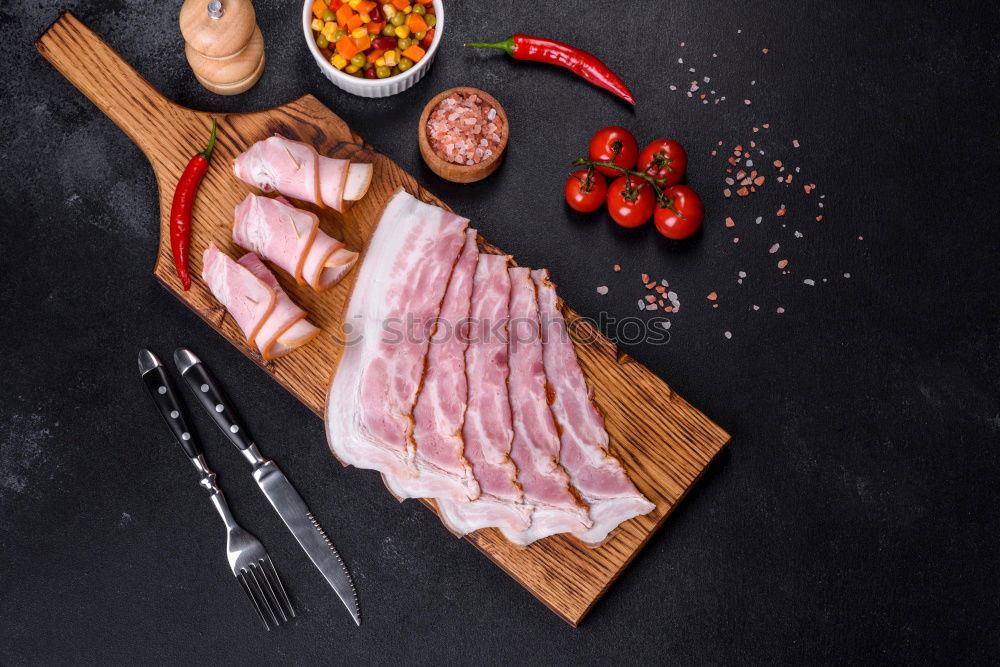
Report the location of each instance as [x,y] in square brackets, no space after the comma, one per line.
[581,63]
[180,209]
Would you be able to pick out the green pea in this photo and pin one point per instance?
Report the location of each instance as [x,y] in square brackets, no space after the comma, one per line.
[359,59]
[328,16]
[419,9]
[420,35]
[399,19]
[430,20]
[338,35]
[405,64]
[396,70]
[360,74]
[322,42]
[382,72]
[388,30]
[404,43]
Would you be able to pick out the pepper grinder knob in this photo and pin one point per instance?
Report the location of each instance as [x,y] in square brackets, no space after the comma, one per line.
[223,44]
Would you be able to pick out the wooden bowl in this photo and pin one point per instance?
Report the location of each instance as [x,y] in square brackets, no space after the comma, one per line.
[462,173]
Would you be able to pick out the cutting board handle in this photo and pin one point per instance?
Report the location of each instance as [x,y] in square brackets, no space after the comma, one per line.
[102,75]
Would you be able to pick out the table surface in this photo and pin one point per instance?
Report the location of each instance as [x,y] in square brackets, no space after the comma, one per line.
[854,515]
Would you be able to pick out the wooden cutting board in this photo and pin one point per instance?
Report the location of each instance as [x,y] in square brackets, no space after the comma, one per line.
[663,442]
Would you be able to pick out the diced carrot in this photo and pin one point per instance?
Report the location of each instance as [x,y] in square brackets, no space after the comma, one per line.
[343,14]
[416,23]
[400,4]
[425,2]
[414,53]
[335,5]
[375,55]
[365,6]
[428,39]
[318,8]
[362,42]
[375,28]
[354,23]
[347,48]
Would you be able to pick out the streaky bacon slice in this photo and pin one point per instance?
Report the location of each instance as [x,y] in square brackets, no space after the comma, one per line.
[440,408]
[535,445]
[596,475]
[292,239]
[488,429]
[397,296]
[284,316]
[245,296]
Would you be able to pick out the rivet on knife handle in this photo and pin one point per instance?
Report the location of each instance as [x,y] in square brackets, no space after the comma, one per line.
[211,397]
[155,379]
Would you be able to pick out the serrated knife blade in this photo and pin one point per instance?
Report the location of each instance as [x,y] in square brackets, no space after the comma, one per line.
[308,533]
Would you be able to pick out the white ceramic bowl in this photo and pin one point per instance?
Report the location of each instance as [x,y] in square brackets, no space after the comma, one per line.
[373,87]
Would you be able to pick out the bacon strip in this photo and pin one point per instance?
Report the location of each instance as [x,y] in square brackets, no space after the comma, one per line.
[488,429]
[535,446]
[596,475]
[397,295]
[440,408]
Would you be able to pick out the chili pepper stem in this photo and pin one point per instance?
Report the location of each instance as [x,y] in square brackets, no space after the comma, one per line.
[656,183]
[507,45]
[207,153]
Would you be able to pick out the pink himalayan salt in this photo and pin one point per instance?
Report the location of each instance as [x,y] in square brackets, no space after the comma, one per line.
[464,129]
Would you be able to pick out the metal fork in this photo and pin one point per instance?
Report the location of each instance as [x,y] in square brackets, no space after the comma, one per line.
[247,558]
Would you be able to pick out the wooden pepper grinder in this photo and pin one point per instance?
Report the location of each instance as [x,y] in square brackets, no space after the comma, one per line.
[224,46]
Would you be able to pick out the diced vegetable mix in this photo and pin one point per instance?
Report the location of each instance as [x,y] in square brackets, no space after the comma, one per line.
[367,39]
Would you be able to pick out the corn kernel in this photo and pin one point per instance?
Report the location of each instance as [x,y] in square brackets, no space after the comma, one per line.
[329,29]
[389,11]
[359,33]
[365,17]
[354,3]
[408,9]
[380,62]
[391,58]
[351,69]
[402,31]
[316,25]
[338,61]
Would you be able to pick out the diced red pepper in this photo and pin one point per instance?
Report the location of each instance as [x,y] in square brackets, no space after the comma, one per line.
[428,39]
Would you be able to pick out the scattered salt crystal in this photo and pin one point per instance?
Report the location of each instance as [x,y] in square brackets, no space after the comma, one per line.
[617,267]
[756,307]
[798,234]
[774,248]
[673,87]
[728,335]
[810,282]
[742,274]
[602,290]
[642,305]
[847,275]
[780,310]
[759,218]
[665,324]
[747,102]
[680,61]
[795,143]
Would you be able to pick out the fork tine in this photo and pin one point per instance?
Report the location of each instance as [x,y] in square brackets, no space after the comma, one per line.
[246,588]
[271,573]
[273,599]
[263,594]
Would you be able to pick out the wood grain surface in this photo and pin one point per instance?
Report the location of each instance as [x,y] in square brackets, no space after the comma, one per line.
[663,442]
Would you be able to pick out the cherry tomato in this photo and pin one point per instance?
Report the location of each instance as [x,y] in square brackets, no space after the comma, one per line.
[583,195]
[602,147]
[630,208]
[687,216]
[654,161]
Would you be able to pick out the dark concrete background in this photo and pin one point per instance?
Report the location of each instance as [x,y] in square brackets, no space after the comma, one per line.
[854,516]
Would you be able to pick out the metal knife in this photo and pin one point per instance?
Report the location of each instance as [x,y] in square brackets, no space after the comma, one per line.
[279,491]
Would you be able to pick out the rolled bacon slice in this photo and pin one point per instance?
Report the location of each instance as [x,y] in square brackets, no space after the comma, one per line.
[488,429]
[251,294]
[535,445]
[596,475]
[292,239]
[439,412]
[397,296]
[296,170]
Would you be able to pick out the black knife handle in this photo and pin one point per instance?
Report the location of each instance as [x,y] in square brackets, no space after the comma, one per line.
[163,395]
[207,390]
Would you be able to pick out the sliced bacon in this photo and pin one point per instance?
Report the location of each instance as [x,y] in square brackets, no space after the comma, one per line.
[261,308]
[440,408]
[292,239]
[488,429]
[296,170]
[595,474]
[535,445]
[396,297]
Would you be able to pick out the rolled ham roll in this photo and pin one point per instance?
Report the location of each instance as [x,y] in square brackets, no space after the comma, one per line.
[291,238]
[296,170]
[262,309]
